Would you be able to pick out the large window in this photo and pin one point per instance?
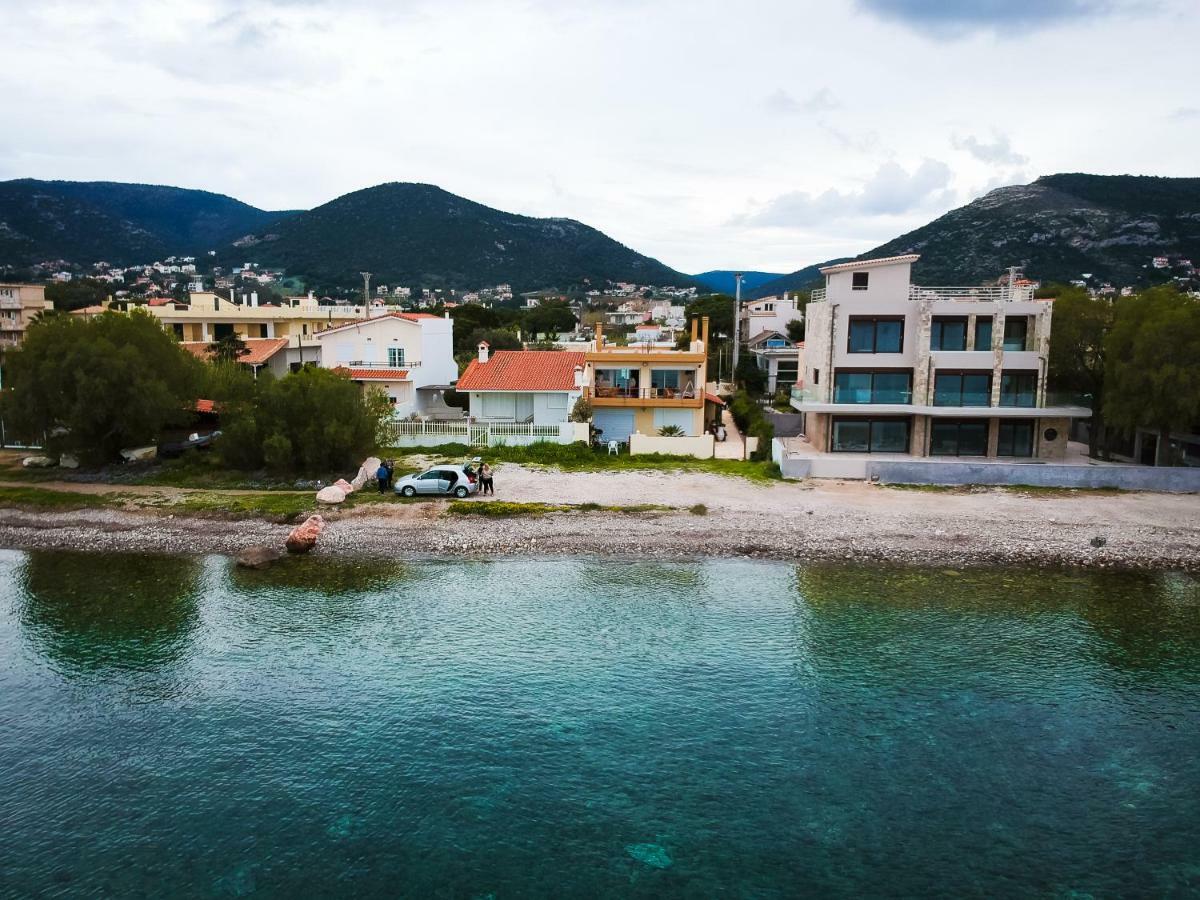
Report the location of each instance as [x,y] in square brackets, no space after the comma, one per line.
[871,335]
[870,435]
[663,379]
[859,281]
[1015,438]
[962,389]
[1018,389]
[948,333]
[983,333]
[396,357]
[872,387]
[948,437]
[1016,330]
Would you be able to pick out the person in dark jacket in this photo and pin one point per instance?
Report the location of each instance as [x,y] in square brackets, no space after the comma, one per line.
[383,476]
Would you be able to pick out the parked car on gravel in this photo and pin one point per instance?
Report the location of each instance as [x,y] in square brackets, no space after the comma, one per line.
[457,480]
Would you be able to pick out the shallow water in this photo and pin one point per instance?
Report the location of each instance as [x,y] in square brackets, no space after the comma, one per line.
[176,727]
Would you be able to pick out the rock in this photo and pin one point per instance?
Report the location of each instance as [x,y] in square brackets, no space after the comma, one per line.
[347,487]
[67,461]
[331,494]
[653,855]
[37,462]
[304,536]
[1099,541]
[139,454]
[366,472]
[258,557]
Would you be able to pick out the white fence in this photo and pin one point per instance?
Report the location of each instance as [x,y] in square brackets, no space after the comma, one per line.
[483,434]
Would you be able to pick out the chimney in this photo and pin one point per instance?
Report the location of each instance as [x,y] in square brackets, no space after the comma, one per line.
[483,351]
[245,300]
[695,329]
[254,298]
[579,376]
[704,332]
[599,336]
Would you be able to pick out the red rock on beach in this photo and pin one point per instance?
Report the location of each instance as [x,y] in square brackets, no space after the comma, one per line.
[304,536]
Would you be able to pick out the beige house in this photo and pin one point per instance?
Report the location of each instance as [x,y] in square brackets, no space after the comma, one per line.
[894,367]
[19,303]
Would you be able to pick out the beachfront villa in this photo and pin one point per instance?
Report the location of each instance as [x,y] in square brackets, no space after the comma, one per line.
[407,356]
[897,368]
[779,358]
[538,387]
[643,388]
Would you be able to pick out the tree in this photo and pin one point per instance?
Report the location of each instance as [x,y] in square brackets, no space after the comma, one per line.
[497,340]
[229,348]
[1077,360]
[95,386]
[1151,375]
[549,318]
[718,308]
[77,293]
[795,330]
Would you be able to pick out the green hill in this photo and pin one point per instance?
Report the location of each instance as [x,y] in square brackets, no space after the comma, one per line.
[420,234]
[88,221]
[800,280]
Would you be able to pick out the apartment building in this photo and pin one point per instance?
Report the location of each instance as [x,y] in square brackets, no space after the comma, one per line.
[769,314]
[19,303]
[644,388]
[893,367]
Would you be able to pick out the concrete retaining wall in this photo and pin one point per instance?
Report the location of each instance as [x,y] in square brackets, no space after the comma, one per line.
[700,446]
[1130,478]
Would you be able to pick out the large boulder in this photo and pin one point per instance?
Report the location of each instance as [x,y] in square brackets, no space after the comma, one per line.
[37,462]
[347,487]
[67,461]
[366,472]
[331,494]
[139,454]
[304,536]
[258,557]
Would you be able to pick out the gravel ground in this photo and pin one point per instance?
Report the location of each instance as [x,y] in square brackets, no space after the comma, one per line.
[786,521]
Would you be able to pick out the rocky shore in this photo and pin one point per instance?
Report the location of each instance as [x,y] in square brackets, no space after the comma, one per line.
[922,534]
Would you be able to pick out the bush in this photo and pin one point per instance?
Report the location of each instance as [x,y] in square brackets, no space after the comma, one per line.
[581,411]
[753,423]
[670,431]
[277,453]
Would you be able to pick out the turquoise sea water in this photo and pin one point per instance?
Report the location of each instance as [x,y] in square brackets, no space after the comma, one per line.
[176,727]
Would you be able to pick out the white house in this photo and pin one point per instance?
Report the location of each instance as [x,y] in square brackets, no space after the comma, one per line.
[408,356]
[769,314]
[535,386]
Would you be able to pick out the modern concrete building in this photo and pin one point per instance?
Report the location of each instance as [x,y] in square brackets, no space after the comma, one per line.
[19,303]
[642,389]
[893,367]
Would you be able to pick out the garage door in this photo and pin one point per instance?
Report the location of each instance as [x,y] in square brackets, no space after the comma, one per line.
[617,424]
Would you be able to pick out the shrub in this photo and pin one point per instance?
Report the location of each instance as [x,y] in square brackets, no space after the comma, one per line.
[670,431]
[277,452]
[581,411]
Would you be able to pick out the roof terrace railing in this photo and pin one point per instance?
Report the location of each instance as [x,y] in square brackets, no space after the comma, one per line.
[993,293]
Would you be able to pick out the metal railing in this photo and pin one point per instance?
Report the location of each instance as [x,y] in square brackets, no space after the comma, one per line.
[650,393]
[475,434]
[365,364]
[993,293]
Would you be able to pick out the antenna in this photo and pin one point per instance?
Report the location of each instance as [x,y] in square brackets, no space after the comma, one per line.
[366,276]
[737,325]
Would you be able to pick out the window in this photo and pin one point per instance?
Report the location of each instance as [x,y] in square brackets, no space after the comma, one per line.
[872,387]
[222,330]
[948,437]
[664,379]
[556,401]
[870,435]
[858,280]
[1016,329]
[1018,389]
[396,357]
[871,335]
[962,389]
[948,334]
[816,376]
[983,333]
[1015,438]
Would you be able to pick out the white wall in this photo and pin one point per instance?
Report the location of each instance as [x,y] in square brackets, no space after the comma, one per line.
[549,407]
[700,446]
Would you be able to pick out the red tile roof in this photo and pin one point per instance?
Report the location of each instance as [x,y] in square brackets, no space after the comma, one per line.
[358,323]
[713,398]
[374,374]
[258,350]
[523,370]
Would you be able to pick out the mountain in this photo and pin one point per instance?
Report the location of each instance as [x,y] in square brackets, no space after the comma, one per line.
[722,281]
[1058,228]
[800,280]
[409,234]
[88,221]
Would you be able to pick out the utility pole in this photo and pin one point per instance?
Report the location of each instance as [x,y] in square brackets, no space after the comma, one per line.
[737,326]
[366,294]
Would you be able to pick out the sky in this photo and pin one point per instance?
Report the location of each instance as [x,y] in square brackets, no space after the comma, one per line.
[763,135]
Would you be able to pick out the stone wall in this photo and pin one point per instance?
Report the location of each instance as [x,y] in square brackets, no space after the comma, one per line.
[1130,478]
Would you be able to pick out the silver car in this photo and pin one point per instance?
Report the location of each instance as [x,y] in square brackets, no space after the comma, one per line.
[447,479]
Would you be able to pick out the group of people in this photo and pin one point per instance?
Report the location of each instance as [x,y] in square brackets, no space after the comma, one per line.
[485,478]
[717,430]
[383,475]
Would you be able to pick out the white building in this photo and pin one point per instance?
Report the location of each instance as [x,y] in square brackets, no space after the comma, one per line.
[769,314]
[523,386]
[408,356]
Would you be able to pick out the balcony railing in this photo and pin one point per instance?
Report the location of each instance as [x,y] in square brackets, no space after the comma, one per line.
[364,364]
[650,393]
[858,395]
[994,293]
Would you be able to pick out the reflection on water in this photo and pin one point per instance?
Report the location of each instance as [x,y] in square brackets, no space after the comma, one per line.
[534,727]
[86,612]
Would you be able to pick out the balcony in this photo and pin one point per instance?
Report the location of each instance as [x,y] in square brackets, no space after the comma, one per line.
[363,364]
[1067,406]
[651,396]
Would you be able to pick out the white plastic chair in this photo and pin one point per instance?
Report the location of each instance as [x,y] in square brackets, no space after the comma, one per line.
[614,448]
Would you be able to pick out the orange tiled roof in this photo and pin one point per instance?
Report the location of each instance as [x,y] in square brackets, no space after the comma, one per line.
[358,323]
[523,370]
[258,350]
[373,374]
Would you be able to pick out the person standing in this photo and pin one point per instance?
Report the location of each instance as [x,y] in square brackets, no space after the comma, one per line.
[382,476]
[485,480]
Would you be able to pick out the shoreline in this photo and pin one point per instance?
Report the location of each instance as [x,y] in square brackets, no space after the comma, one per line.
[659,536]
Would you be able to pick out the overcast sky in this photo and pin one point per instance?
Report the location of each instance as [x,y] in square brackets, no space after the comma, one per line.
[764,134]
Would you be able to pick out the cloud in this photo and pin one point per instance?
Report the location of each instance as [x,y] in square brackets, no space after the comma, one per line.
[784,103]
[1184,114]
[953,18]
[998,153]
[891,191]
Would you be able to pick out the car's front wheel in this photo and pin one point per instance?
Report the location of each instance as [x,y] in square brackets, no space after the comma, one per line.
[460,492]
[408,491]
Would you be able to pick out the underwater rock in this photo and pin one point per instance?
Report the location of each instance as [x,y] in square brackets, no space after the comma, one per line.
[258,557]
[304,536]
[654,855]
